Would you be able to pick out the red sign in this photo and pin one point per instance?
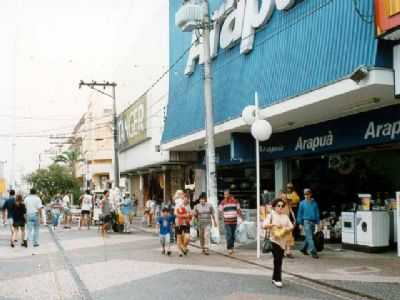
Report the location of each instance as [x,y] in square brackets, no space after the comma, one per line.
[387,16]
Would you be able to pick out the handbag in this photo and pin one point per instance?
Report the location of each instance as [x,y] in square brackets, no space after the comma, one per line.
[319,240]
[267,244]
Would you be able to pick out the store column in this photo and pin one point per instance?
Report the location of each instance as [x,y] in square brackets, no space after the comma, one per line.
[281,175]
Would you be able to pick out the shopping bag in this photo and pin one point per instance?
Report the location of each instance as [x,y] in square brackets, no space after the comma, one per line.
[319,240]
[215,236]
[241,234]
[193,234]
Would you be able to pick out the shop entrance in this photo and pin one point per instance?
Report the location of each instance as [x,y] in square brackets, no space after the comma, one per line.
[337,179]
[241,181]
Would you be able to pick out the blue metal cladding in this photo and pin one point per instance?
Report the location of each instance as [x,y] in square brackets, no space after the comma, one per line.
[314,43]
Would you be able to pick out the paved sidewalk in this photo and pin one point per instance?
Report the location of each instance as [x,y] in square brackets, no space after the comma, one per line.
[377,275]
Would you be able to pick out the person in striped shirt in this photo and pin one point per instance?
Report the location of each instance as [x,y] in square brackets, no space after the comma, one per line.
[230,209]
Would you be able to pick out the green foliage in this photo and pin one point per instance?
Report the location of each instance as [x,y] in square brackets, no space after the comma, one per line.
[70,158]
[52,181]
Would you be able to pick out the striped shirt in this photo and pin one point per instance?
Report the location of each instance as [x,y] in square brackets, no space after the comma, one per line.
[204,213]
[230,209]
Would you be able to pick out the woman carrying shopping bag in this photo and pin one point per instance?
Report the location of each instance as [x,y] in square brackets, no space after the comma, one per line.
[280,228]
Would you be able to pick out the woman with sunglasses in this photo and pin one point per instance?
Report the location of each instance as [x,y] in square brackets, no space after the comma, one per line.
[280,227]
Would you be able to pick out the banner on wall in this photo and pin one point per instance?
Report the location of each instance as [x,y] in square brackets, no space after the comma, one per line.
[369,128]
[132,124]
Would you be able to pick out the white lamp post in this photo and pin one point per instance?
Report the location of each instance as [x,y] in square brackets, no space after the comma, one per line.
[261,130]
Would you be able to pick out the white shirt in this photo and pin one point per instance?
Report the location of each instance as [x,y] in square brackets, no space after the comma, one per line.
[33,203]
[87,202]
[66,201]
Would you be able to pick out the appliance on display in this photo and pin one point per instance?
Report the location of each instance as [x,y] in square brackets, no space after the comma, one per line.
[348,225]
[373,229]
[365,229]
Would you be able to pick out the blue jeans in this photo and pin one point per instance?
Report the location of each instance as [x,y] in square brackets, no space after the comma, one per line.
[33,228]
[56,217]
[230,230]
[309,229]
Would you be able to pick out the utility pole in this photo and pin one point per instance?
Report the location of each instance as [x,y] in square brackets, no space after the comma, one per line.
[208,103]
[94,86]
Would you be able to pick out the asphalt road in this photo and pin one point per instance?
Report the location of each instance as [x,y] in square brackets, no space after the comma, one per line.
[72,264]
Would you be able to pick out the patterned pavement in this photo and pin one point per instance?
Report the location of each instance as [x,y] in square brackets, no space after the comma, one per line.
[72,264]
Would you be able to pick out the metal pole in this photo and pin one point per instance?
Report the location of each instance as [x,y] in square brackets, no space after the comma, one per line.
[208,103]
[398,222]
[258,183]
[115,135]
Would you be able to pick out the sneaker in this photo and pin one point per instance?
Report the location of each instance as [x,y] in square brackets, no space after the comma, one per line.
[230,252]
[24,244]
[206,252]
[278,284]
[12,244]
[314,255]
[304,251]
[36,245]
[169,253]
[185,252]
[180,255]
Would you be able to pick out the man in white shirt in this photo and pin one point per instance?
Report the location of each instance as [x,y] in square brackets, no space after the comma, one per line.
[67,211]
[34,207]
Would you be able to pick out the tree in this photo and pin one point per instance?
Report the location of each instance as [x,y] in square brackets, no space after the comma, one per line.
[70,158]
[53,180]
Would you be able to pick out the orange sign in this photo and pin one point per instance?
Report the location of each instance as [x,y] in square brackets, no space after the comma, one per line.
[387,15]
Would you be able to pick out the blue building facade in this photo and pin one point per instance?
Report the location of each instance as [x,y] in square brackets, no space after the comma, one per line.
[343,141]
[313,44]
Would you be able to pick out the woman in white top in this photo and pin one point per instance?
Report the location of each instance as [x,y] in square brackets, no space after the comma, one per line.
[280,228]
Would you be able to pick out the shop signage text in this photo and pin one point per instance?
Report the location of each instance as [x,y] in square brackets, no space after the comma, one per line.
[314,143]
[382,130]
[370,128]
[233,21]
[132,124]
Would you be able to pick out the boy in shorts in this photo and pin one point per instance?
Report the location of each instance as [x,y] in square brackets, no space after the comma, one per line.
[164,224]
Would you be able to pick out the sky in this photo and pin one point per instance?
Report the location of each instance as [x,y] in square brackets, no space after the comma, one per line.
[48,46]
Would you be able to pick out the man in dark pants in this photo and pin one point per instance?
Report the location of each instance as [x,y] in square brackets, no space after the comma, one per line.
[230,209]
[308,218]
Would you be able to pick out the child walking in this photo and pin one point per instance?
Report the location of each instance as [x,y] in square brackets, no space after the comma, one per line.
[164,224]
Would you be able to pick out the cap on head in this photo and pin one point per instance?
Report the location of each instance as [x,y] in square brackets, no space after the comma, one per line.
[307,191]
[32,191]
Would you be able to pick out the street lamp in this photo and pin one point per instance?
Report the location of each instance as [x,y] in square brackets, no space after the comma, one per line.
[261,130]
[192,16]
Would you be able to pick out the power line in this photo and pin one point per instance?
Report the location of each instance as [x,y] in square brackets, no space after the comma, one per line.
[369,19]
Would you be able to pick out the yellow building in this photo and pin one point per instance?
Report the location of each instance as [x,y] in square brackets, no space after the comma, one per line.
[93,137]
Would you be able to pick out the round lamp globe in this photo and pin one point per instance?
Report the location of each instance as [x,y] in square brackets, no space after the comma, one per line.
[261,130]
